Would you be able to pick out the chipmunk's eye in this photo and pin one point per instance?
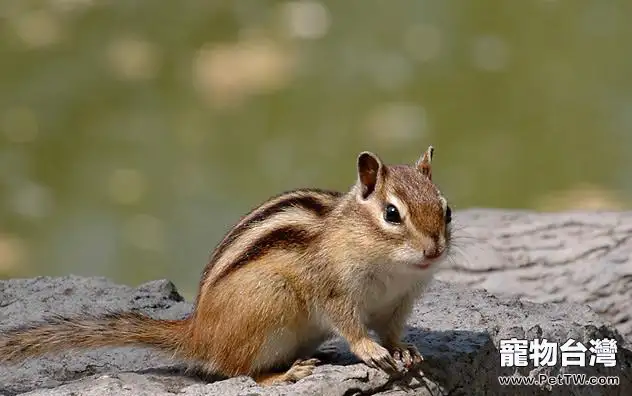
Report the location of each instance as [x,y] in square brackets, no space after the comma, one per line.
[391,214]
[448,215]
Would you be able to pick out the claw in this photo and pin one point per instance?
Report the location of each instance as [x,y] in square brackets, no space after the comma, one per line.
[408,354]
[406,358]
[375,356]
[387,363]
[301,369]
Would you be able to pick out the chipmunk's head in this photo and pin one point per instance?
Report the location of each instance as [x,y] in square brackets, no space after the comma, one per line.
[405,208]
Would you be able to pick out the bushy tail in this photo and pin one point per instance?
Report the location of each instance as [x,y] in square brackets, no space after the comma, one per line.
[114,330]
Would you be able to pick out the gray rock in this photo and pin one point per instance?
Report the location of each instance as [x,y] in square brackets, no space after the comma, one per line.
[576,256]
[458,330]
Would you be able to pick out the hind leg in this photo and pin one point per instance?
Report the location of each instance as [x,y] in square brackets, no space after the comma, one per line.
[254,323]
[305,359]
[300,369]
[279,351]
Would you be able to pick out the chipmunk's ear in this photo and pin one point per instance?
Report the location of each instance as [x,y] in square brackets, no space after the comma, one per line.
[424,163]
[370,172]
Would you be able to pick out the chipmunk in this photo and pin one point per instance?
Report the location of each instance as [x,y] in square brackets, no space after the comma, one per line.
[302,267]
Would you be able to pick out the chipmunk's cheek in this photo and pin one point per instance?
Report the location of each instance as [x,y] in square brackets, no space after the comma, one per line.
[400,255]
[409,258]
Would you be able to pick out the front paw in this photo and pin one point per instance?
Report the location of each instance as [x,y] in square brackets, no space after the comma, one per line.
[374,355]
[406,353]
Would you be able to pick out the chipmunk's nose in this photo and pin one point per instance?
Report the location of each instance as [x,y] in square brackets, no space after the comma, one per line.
[433,252]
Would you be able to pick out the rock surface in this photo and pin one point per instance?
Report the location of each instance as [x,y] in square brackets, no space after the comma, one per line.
[582,257]
[457,329]
[562,261]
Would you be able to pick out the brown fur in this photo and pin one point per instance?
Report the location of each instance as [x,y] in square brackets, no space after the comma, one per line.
[301,267]
[114,329]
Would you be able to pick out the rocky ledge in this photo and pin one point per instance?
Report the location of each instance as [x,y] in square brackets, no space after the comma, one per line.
[457,327]
[582,257]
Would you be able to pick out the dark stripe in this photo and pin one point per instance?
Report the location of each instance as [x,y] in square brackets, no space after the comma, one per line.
[294,198]
[288,237]
[307,202]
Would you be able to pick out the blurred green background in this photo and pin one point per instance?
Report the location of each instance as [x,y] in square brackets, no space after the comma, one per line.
[134,133]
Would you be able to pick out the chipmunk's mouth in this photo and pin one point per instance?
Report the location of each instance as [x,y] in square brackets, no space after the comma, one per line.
[428,262]
[425,264]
